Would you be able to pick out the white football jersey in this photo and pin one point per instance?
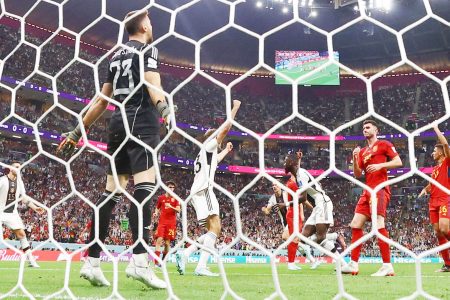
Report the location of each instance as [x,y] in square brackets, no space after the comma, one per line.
[10,191]
[315,193]
[205,166]
[281,211]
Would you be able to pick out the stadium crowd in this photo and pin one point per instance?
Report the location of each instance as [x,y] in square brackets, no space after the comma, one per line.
[47,182]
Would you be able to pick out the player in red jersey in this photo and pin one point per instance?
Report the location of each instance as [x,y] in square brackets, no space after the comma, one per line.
[439,205]
[83,238]
[374,160]
[291,184]
[167,207]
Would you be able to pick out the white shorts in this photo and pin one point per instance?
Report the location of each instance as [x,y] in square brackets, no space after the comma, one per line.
[12,220]
[205,205]
[322,213]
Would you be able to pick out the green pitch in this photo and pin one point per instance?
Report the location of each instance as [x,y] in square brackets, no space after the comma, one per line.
[248,281]
[328,76]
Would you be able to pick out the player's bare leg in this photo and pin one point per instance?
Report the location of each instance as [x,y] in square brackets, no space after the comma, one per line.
[308,231]
[158,245]
[356,225]
[25,246]
[139,268]
[91,270]
[214,227]
[441,229]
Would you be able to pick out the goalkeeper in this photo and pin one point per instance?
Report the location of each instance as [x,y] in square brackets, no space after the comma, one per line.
[143,108]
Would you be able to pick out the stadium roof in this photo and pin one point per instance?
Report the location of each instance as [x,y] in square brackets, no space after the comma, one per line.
[363,46]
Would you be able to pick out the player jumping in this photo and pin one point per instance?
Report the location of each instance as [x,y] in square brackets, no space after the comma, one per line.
[439,205]
[11,191]
[144,106]
[167,208]
[374,160]
[203,198]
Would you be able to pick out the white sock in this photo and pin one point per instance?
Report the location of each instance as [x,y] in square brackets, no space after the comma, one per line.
[29,255]
[24,243]
[209,242]
[192,248]
[307,249]
[140,260]
[93,261]
[329,245]
[332,236]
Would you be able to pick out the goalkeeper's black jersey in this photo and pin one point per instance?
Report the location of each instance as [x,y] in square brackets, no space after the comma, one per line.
[124,75]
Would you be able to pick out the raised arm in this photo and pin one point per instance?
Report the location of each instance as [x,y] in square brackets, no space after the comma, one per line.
[225,151]
[221,136]
[357,172]
[442,140]
[67,146]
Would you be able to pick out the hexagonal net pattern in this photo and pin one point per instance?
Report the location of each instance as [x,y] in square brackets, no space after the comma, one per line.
[228,291]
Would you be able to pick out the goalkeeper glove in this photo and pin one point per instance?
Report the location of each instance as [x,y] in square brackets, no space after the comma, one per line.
[164,110]
[67,146]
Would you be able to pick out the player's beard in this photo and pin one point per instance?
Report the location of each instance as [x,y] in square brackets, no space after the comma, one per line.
[149,38]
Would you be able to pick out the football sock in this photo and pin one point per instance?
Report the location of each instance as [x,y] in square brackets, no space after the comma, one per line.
[307,249]
[357,233]
[292,250]
[142,192]
[384,247]
[104,216]
[444,253]
[164,254]
[192,248]
[209,243]
[157,254]
[24,244]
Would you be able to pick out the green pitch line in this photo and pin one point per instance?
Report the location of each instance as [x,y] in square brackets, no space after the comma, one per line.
[248,281]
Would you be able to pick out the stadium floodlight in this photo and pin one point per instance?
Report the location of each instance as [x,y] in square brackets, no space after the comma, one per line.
[310,2]
[303,3]
[259,3]
[356,8]
[313,13]
[285,10]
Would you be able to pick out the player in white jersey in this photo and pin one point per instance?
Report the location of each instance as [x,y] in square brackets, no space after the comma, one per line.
[203,198]
[321,217]
[277,204]
[11,191]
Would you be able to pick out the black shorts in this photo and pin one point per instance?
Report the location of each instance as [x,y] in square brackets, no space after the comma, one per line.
[132,158]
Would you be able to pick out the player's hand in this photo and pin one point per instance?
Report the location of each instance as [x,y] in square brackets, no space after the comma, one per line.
[229,146]
[373,168]
[236,103]
[356,151]
[167,122]
[68,145]
[40,210]
[424,192]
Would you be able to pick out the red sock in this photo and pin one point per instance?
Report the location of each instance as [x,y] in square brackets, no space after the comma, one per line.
[356,235]
[444,253]
[384,247]
[157,253]
[292,250]
[164,254]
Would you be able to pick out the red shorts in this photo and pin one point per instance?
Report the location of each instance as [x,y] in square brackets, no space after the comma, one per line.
[363,207]
[439,208]
[166,231]
[290,222]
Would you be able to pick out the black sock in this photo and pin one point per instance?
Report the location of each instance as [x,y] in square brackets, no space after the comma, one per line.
[142,192]
[104,215]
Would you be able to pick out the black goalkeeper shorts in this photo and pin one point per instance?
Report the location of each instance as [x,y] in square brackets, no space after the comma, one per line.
[132,158]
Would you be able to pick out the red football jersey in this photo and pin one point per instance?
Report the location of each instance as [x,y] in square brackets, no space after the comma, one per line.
[167,215]
[440,174]
[378,153]
[292,185]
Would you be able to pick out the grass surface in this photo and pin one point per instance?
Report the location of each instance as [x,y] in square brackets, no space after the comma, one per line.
[247,281]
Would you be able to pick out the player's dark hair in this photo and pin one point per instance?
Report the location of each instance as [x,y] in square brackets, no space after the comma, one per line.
[440,147]
[132,26]
[291,162]
[373,122]
[202,138]
[170,182]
